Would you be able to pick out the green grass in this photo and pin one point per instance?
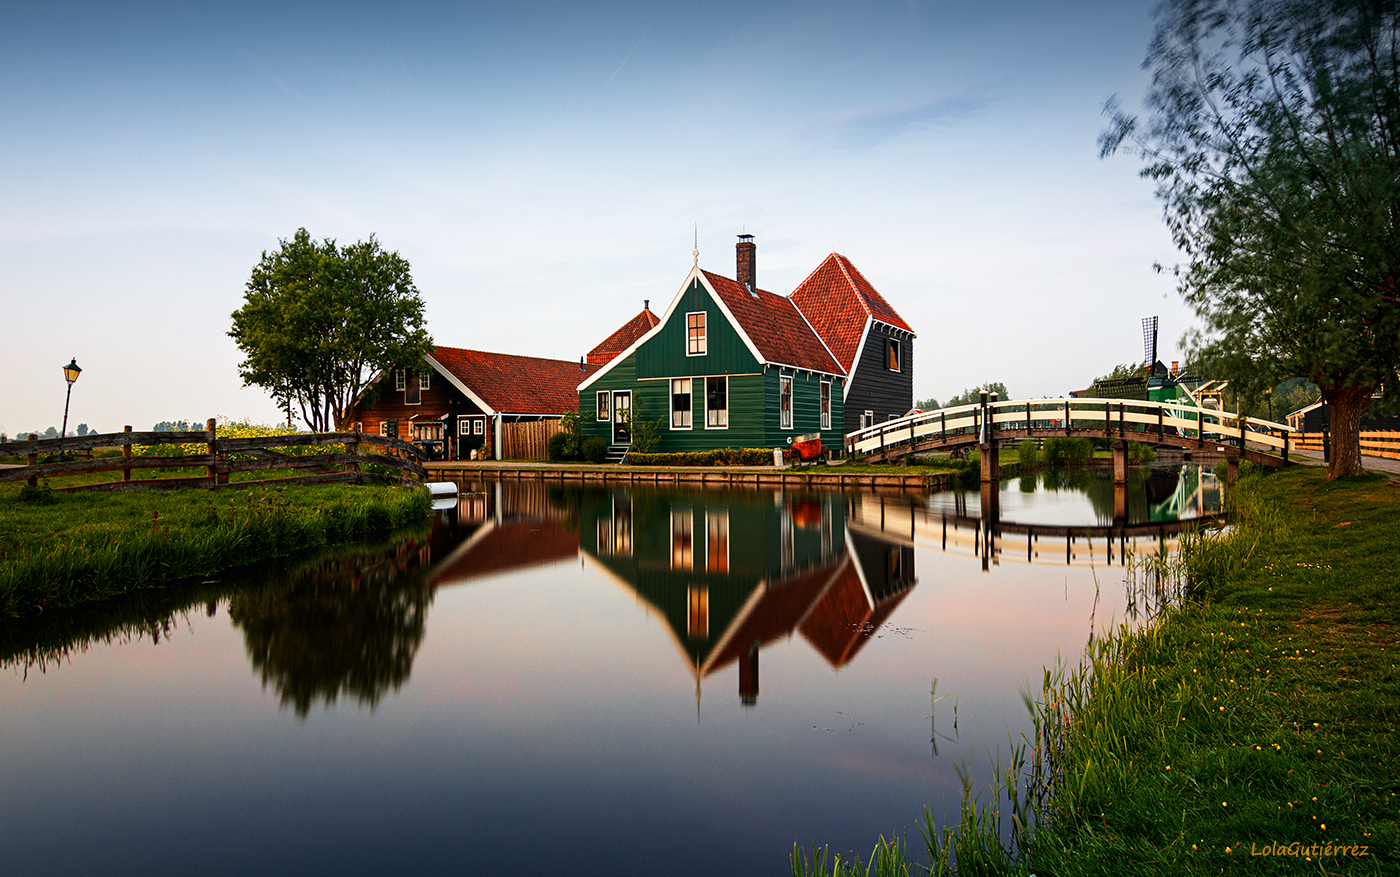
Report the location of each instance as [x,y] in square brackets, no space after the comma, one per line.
[1261,714]
[58,550]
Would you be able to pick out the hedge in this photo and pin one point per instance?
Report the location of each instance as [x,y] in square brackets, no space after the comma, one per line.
[721,457]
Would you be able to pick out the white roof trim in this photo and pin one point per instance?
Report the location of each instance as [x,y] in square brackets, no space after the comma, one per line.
[477,400]
[724,309]
[818,336]
[645,337]
[908,332]
[855,363]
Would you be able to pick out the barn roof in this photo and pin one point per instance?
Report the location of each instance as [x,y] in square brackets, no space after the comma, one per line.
[511,384]
[623,338]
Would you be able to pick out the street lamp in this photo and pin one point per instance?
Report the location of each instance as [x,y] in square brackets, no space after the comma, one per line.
[70,374]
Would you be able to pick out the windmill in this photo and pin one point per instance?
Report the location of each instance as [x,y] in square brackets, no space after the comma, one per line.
[1149,342]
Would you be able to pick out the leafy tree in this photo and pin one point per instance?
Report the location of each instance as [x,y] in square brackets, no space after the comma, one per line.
[1274,140]
[51,432]
[973,394]
[320,321]
[929,404]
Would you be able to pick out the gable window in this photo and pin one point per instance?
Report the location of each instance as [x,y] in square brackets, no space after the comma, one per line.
[785,402]
[423,380]
[603,405]
[698,615]
[680,403]
[894,355]
[400,379]
[695,334]
[826,405]
[717,402]
[413,395]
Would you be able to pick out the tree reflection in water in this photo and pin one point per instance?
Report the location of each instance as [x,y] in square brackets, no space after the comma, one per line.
[348,626]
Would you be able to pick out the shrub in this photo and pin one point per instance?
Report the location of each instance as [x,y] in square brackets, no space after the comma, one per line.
[1060,450]
[555,450]
[1027,453]
[1139,452]
[594,449]
[721,457]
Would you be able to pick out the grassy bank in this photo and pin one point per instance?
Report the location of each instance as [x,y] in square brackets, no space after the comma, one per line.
[1253,731]
[61,549]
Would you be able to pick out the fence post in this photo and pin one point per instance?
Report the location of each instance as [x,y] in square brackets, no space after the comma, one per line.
[1108,419]
[1200,428]
[352,447]
[33,461]
[1283,433]
[1160,415]
[211,471]
[126,451]
[1066,417]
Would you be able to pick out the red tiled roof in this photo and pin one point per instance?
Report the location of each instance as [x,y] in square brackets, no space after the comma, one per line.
[775,326]
[623,338]
[836,298]
[780,607]
[517,384]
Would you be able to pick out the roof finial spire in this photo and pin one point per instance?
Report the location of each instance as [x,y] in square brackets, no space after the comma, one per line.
[695,253]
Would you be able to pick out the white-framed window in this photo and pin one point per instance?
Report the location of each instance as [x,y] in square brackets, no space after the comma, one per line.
[695,333]
[894,355]
[826,405]
[785,402]
[680,403]
[787,541]
[464,426]
[400,379]
[717,403]
[698,611]
[424,380]
[717,540]
[603,414]
[383,427]
[867,419]
[682,539]
[479,426]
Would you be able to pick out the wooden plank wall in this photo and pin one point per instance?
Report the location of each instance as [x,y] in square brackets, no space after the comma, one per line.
[527,441]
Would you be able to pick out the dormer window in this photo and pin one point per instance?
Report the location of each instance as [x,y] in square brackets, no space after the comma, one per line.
[894,354]
[695,334]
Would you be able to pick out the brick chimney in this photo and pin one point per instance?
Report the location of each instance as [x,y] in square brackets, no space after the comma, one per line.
[746,258]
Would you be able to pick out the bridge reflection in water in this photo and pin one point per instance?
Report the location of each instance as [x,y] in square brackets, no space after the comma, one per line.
[1143,517]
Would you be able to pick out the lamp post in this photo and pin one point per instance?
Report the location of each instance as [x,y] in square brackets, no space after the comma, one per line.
[70,374]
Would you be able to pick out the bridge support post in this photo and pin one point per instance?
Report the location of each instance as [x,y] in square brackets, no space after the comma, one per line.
[990,462]
[991,522]
[1232,468]
[1120,462]
[1120,506]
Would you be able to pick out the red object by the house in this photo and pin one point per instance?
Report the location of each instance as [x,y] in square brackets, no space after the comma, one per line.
[808,447]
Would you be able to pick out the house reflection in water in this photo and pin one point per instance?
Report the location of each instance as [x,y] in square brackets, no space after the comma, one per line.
[731,572]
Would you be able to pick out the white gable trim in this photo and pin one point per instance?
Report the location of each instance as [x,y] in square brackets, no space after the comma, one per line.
[855,363]
[612,363]
[817,335]
[724,309]
[466,391]
[897,329]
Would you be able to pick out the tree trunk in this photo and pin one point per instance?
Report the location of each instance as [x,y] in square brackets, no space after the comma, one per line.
[1347,405]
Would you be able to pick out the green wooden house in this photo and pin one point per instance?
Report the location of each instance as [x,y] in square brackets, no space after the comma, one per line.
[728,365]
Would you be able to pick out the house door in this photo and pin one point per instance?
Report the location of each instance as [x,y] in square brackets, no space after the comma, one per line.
[622,416]
[471,434]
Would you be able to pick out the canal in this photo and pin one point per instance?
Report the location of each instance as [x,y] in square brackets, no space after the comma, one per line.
[599,681]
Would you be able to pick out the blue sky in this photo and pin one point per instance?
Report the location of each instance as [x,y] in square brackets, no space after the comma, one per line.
[543,166]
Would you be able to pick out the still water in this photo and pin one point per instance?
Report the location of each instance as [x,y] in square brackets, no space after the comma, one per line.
[597,681]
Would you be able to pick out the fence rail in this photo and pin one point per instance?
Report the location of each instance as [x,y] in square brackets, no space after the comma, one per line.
[1374,443]
[220,458]
[1160,422]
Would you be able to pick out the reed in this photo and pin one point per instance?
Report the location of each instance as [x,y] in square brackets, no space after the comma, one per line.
[60,550]
[1255,714]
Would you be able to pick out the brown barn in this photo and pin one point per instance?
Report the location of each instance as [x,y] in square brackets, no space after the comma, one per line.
[469,400]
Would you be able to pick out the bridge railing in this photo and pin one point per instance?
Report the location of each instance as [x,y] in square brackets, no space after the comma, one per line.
[1126,418]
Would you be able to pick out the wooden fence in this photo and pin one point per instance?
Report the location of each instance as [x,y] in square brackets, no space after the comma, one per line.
[221,457]
[1374,443]
[527,441]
